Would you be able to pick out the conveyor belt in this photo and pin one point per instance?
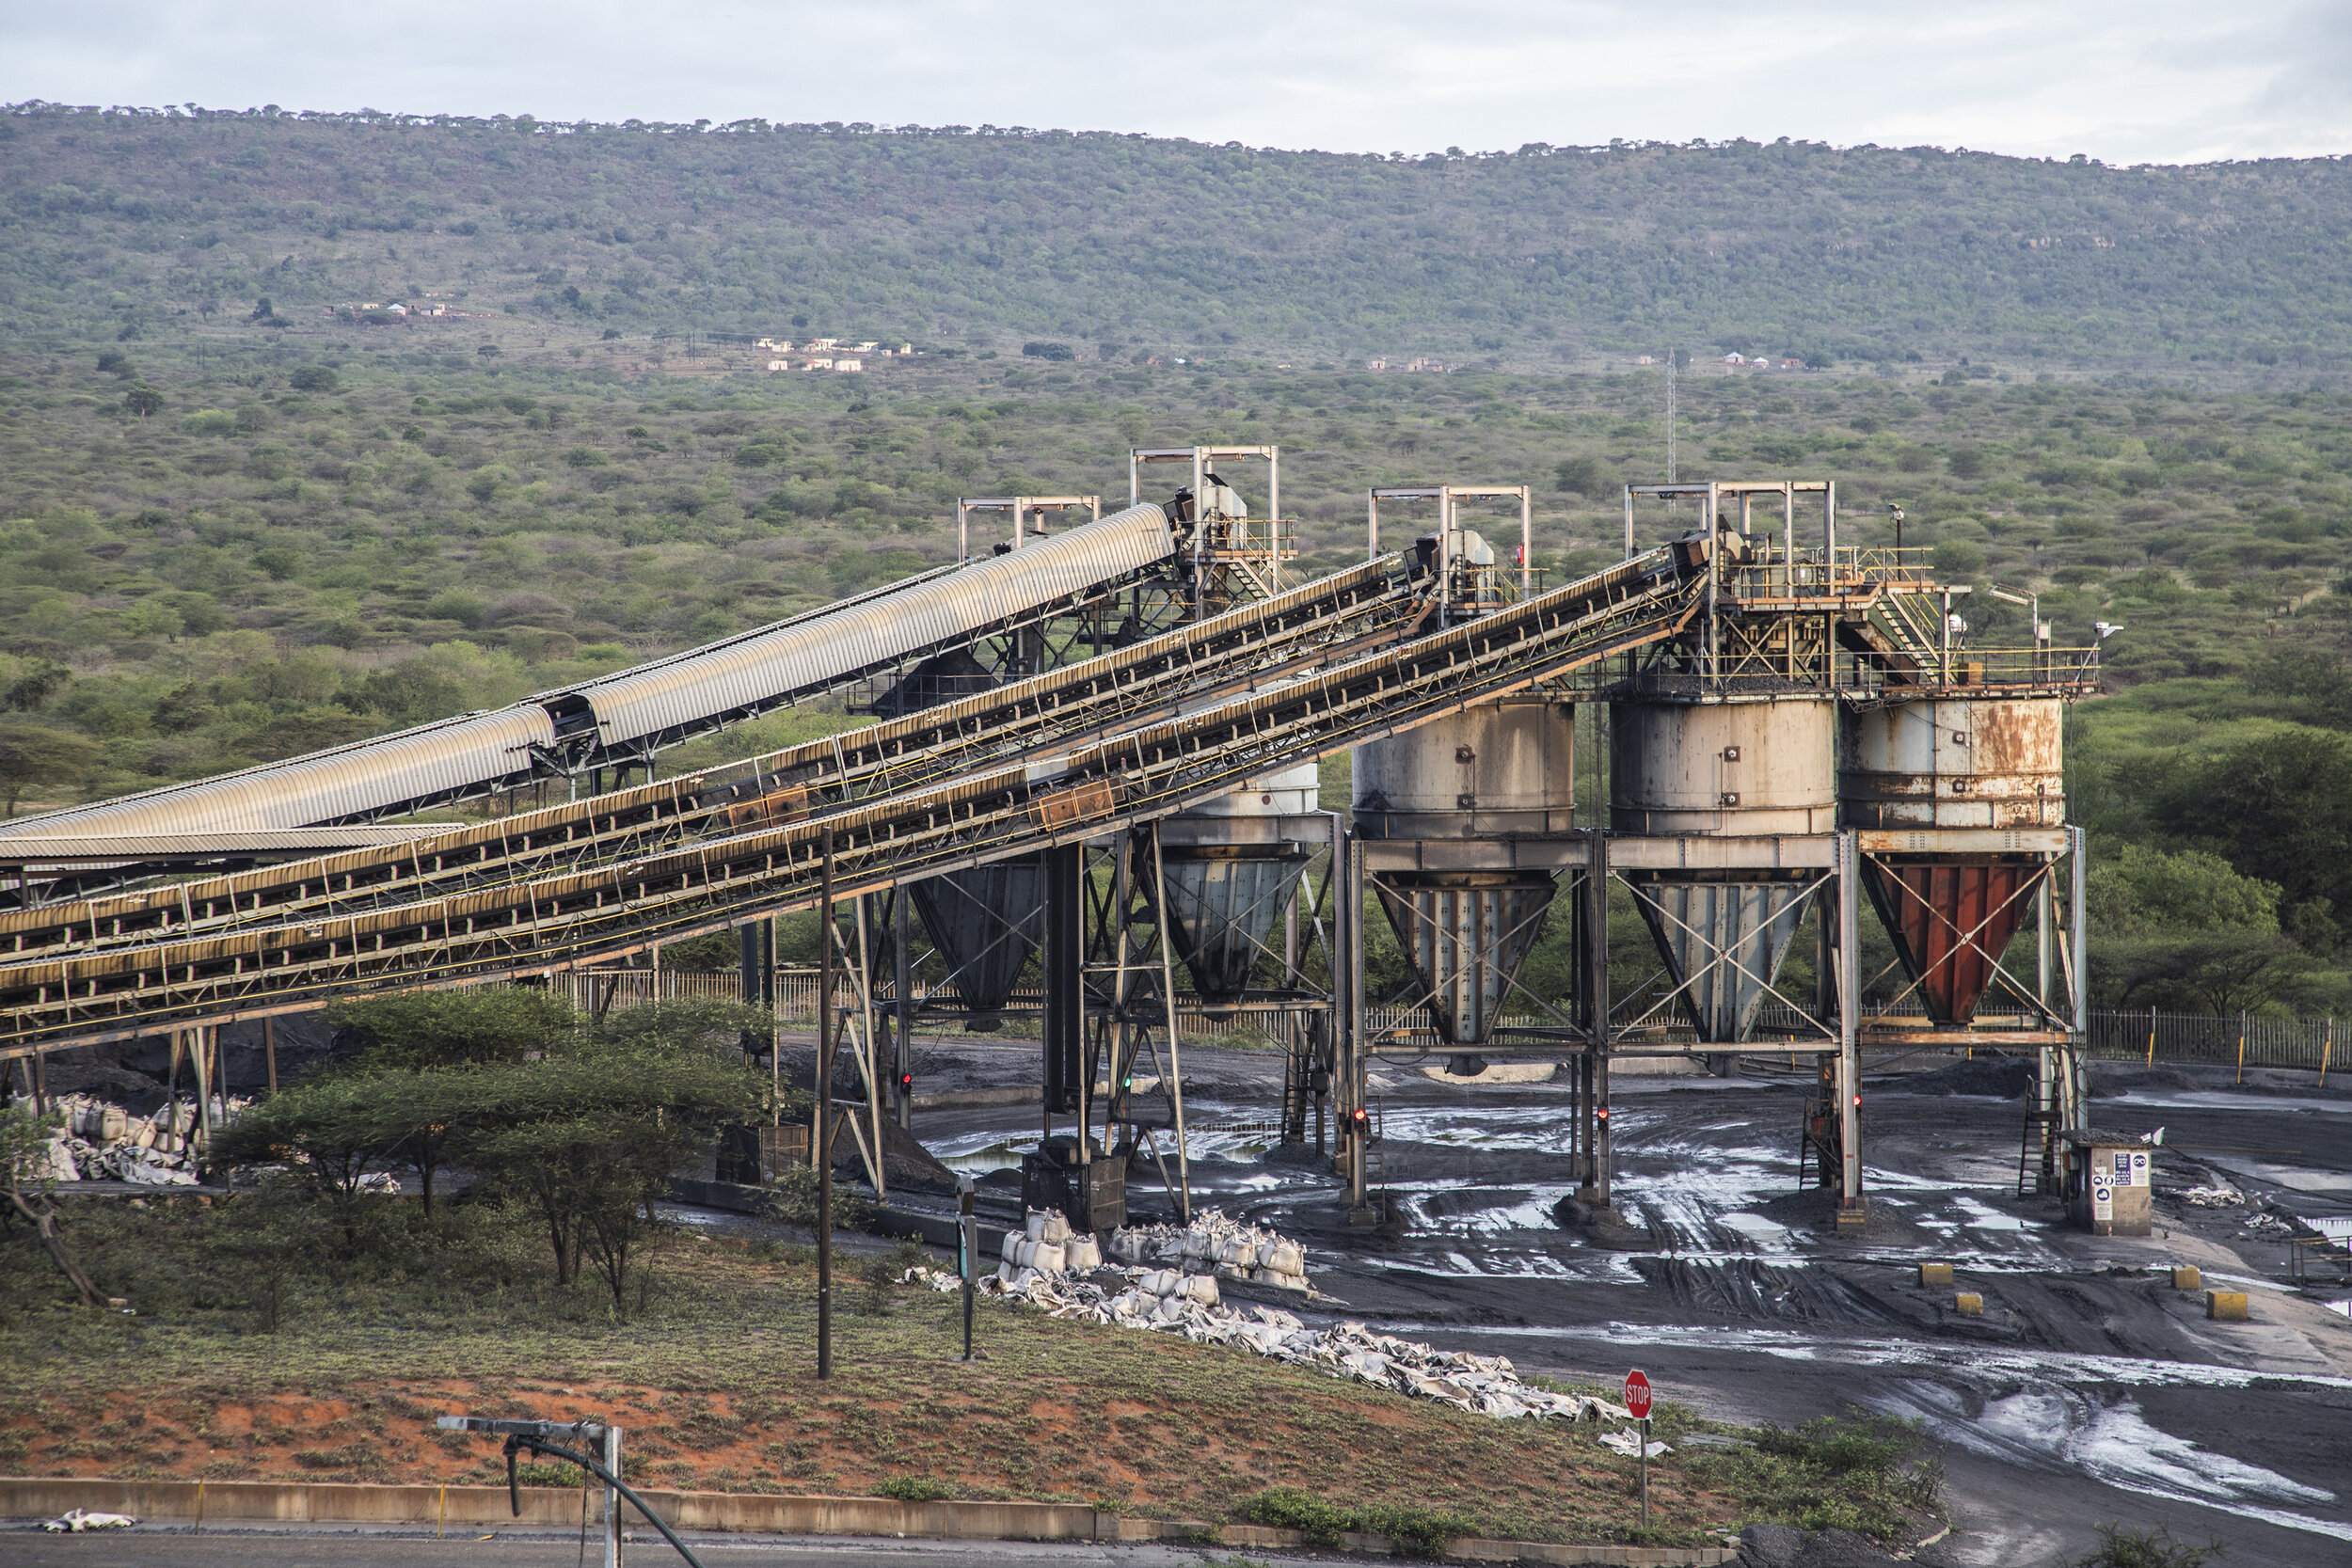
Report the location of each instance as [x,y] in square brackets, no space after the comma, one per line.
[630,715]
[1133,768]
[1193,665]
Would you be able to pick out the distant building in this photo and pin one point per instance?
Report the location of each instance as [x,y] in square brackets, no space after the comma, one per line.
[1735,360]
[779,364]
[868,348]
[1375,364]
[849,364]
[824,343]
[818,365]
[1646,359]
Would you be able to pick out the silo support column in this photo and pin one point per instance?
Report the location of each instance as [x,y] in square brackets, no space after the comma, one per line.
[1351,1084]
[1594,1084]
[1849,1198]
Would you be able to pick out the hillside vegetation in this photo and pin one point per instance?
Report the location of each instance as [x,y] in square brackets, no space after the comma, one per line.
[234,527]
[1133,244]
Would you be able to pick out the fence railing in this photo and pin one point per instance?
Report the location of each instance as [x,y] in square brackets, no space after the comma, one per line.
[2246,1040]
[2240,1040]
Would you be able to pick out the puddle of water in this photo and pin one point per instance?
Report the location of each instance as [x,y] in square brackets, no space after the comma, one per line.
[1986,1364]
[1982,1218]
[2114,1444]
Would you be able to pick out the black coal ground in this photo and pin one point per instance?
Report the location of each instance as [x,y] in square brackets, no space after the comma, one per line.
[2089,1391]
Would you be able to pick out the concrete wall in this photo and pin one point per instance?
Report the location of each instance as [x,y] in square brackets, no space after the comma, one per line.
[324,1503]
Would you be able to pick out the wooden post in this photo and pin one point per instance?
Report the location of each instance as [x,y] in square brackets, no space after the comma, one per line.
[269,1050]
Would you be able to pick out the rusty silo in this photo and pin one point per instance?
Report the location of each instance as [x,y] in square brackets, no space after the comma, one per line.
[1949,762]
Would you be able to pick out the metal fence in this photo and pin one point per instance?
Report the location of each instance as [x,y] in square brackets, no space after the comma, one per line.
[2242,1040]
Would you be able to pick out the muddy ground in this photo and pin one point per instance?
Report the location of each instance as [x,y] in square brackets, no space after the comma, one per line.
[2090,1390]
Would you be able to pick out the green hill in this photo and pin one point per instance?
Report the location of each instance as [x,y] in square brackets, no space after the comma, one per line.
[1125,244]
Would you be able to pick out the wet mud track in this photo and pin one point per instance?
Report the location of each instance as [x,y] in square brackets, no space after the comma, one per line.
[2089,1390]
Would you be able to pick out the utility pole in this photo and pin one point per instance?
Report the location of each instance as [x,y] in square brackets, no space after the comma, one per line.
[1672,355]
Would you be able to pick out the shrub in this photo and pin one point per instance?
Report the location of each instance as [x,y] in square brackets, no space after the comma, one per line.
[913,1489]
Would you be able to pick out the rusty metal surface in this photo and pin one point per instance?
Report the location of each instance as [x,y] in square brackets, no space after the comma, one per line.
[1950,922]
[1955,763]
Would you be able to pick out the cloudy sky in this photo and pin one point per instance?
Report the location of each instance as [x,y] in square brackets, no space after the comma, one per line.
[2125,81]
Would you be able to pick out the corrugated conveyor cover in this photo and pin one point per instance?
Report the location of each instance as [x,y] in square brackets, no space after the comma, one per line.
[754,671]
[328,786]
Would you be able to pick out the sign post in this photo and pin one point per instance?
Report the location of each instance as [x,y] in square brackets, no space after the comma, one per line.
[967,1253]
[1637,1405]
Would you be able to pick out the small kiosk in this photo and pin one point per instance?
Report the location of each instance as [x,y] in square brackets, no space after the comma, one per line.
[2107,1189]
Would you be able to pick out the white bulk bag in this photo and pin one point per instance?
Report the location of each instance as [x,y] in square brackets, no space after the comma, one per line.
[1085,1254]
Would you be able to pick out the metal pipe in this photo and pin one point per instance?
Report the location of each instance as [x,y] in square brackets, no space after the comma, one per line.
[820,1136]
[1527,543]
[1175,1059]
[1628,522]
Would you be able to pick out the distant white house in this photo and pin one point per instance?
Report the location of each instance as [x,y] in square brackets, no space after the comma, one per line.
[849,364]
[1646,359]
[818,365]
[1735,360]
[779,364]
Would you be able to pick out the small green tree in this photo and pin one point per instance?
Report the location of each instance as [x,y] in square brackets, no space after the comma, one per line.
[24,1171]
[330,1133]
[414,1031]
[143,401]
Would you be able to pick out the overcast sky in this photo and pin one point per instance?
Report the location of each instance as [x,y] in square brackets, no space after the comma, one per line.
[2126,81]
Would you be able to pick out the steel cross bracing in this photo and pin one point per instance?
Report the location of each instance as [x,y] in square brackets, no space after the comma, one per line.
[1191,666]
[1128,771]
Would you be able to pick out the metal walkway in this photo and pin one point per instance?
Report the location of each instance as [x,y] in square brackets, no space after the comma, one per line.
[1096,746]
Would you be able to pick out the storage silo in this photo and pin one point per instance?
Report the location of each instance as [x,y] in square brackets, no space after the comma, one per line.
[1495,770]
[1231,869]
[1724,766]
[1949,762]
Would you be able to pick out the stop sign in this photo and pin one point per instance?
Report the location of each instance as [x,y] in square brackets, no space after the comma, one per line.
[1637,1395]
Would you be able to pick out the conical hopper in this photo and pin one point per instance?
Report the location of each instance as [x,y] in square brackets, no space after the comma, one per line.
[1222,906]
[986,923]
[1722,943]
[1951,921]
[1466,935]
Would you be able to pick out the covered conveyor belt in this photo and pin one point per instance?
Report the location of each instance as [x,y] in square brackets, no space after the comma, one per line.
[628,715]
[1089,754]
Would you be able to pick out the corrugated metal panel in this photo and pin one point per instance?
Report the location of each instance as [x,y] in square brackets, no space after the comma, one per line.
[349,780]
[758,670]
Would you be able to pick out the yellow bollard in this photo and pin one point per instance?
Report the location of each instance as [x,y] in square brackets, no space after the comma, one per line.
[1968,1304]
[2226,1306]
[2189,1276]
[1935,1274]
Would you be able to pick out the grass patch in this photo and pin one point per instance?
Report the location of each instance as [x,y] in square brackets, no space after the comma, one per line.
[1858,1472]
[713,1382]
[1415,1531]
[2120,1547]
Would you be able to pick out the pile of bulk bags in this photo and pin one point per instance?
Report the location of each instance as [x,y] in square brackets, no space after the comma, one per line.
[1212,1242]
[1046,1245]
[103,1142]
[1168,1299]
